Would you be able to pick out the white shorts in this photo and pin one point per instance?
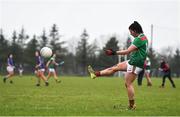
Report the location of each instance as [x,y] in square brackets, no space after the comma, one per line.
[133,69]
[147,71]
[20,71]
[42,70]
[10,69]
[51,70]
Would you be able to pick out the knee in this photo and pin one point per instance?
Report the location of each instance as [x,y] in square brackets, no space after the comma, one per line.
[127,85]
[111,70]
[114,68]
[12,74]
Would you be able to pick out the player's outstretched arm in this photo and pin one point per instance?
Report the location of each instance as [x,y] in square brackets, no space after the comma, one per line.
[127,51]
[110,52]
[131,48]
[56,63]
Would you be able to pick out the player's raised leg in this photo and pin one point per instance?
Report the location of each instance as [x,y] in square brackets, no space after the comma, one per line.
[91,72]
[109,71]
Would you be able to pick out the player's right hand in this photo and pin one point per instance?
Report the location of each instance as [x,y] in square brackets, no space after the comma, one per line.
[110,52]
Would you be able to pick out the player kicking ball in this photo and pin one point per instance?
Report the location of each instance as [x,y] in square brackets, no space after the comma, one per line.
[51,65]
[133,66]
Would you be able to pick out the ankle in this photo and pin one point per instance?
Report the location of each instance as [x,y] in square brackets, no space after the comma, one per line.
[97,73]
[131,103]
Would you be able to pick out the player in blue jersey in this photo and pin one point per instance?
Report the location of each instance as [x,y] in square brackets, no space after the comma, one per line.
[10,69]
[40,69]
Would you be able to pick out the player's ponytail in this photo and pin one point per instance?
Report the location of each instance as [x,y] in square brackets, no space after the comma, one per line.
[136,27]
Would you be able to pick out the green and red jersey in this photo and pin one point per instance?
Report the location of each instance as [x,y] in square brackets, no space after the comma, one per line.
[52,64]
[138,57]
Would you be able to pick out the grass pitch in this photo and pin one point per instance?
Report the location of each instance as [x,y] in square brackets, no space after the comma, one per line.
[82,96]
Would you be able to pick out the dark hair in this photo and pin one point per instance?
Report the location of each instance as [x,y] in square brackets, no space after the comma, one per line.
[136,27]
[162,64]
[9,55]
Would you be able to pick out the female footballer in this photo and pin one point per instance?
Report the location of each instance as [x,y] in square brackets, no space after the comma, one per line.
[133,66]
[40,69]
[51,65]
[164,67]
[10,68]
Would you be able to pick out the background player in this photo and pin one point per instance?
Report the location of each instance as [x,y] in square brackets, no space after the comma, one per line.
[164,67]
[10,68]
[40,69]
[51,65]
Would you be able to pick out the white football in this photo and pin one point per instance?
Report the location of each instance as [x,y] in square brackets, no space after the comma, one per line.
[46,52]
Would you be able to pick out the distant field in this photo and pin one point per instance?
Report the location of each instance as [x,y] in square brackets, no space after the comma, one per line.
[84,96]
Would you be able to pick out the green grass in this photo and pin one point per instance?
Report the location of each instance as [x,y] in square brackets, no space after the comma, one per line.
[84,96]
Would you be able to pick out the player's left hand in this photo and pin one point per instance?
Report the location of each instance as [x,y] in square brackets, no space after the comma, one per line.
[110,52]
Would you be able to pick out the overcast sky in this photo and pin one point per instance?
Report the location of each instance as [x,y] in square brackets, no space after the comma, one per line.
[99,17]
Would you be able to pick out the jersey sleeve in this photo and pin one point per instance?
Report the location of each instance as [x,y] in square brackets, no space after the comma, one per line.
[138,42]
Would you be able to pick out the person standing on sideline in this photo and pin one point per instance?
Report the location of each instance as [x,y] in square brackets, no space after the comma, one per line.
[164,67]
[147,67]
[133,66]
[146,72]
[20,69]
